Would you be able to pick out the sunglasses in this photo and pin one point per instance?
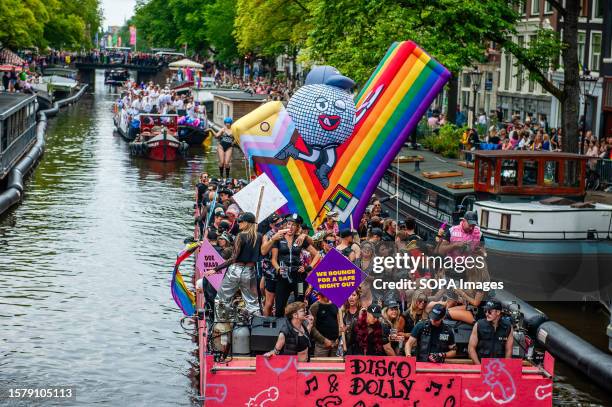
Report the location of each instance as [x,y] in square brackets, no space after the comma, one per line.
[330,241]
[490,311]
[421,300]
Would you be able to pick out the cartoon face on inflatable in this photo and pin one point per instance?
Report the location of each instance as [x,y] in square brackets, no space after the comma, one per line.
[323,114]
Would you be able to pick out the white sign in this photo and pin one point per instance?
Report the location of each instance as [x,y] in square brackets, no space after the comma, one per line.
[271,198]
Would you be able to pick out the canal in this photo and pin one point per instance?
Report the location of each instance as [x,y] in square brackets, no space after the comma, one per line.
[85,264]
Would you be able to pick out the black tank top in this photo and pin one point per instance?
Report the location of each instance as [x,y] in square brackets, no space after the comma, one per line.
[248,252]
[227,138]
[327,321]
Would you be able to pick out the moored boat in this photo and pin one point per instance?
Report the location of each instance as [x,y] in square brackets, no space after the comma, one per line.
[116,76]
[158,139]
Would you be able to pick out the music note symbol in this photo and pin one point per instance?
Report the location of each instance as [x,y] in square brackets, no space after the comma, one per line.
[315,385]
[437,386]
[450,383]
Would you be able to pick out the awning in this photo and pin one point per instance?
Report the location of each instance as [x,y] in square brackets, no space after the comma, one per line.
[185,63]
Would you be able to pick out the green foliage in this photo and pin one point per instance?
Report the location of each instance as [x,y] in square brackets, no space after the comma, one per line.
[271,27]
[219,18]
[446,142]
[67,24]
[155,21]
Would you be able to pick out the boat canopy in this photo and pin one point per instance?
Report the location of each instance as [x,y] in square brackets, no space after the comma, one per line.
[532,173]
[185,63]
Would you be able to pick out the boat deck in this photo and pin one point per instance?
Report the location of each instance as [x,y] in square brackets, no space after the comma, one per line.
[435,162]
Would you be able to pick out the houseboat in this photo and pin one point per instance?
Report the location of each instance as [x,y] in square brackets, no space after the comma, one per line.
[158,139]
[17,129]
[542,240]
[540,234]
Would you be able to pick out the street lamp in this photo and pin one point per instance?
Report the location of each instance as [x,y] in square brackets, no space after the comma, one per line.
[475,78]
[587,86]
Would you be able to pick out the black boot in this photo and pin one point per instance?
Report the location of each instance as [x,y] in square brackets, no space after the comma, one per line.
[221,172]
[227,170]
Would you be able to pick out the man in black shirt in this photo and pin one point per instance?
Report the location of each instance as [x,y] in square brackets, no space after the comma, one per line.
[325,330]
[434,341]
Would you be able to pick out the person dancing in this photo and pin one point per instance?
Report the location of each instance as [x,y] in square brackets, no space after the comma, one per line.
[225,146]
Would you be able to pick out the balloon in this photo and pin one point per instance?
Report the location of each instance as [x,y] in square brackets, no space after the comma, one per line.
[326,153]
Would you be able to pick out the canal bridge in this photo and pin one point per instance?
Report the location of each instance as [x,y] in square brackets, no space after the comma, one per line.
[144,72]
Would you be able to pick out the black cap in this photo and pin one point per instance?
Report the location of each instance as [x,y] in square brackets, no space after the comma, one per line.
[471,217]
[375,310]
[219,212]
[345,233]
[212,235]
[247,217]
[493,304]
[376,232]
[294,217]
[438,312]
[226,191]
[225,225]
[273,218]
[392,304]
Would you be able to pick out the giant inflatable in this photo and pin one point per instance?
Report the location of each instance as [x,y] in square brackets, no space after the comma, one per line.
[327,152]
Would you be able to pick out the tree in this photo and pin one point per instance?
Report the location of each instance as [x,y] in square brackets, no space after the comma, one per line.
[155,21]
[22,23]
[353,35]
[272,27]
[219,17]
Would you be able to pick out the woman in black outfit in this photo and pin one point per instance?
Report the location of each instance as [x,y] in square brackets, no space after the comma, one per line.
[287,263]
[241,271]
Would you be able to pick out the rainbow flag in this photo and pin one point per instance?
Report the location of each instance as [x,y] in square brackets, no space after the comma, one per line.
[389,107]
[184,298]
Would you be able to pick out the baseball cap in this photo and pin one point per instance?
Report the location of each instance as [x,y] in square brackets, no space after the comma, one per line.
[471,217]
[493,304]
[247,217]
[331,214]
[294,217]
[219,212]
[375,310]
[376,232]
[438,312]
[392,304]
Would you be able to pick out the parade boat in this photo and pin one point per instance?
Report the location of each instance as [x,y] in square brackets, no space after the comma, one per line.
[116,77]
[193,131]
[539,232]
[126,124]
[233,371]
[158,139]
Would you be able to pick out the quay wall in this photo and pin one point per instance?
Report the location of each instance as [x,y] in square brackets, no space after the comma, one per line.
[14,191]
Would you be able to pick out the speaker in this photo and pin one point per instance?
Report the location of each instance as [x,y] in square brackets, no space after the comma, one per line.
[264,333]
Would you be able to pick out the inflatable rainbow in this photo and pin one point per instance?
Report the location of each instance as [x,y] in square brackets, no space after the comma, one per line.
[389,107]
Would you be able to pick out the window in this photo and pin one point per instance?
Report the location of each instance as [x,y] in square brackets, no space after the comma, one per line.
[505,223]
[548,9]
[520,73]
[551,173]
[522,8]
[595,51]
[484,219]
[598,9]
[466,81]
[532,39]
[483,171]
[509,172]
[508,71]
[530,172]
[571,175]
[581,46]
[535,7]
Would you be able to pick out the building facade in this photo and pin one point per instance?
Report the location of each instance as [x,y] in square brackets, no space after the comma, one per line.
[606,73]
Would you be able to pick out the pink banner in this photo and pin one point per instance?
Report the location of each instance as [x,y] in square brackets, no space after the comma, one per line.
[132,35]
[209,258]
[363,381]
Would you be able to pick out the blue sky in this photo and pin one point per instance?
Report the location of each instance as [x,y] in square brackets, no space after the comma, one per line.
[116,11]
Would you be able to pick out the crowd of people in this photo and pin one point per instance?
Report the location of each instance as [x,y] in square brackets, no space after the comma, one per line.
[267,264]
[156,99]
[20,82]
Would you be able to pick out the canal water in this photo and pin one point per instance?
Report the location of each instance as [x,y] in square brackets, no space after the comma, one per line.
[85,265]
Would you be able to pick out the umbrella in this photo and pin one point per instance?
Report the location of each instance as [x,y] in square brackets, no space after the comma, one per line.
[185,63]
